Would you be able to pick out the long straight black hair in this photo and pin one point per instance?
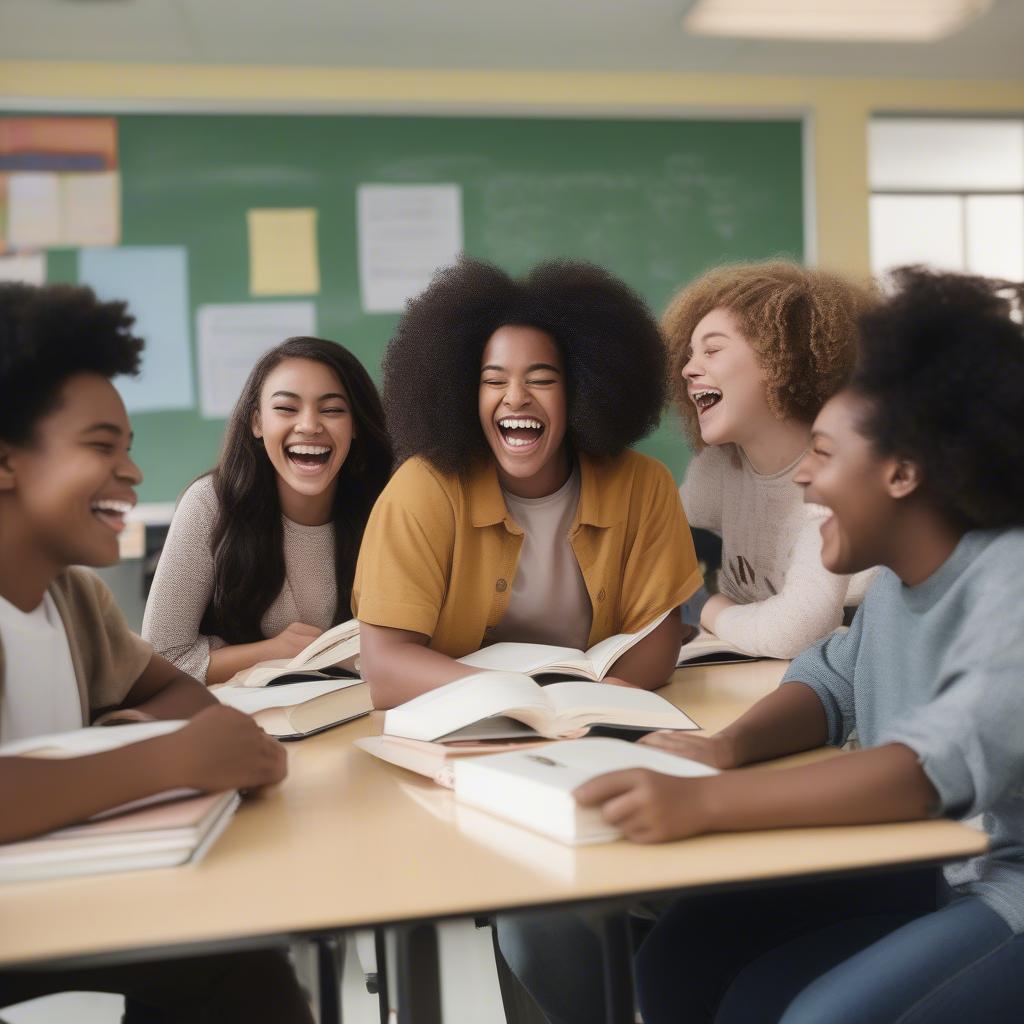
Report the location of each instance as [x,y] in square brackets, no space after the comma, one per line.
[247,543]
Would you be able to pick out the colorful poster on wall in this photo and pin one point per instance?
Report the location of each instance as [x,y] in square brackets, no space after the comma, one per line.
[61,185]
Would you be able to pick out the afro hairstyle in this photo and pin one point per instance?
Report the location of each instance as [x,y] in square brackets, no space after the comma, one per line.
[608,339]
[802,324]
[938,340]
[51,333]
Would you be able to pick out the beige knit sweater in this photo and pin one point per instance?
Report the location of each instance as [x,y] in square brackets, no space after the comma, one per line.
[771,554]
[183,584]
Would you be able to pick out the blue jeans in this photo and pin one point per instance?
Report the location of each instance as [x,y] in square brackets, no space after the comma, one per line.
[870,951]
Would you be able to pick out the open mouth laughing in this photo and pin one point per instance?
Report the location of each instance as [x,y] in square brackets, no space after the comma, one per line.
[520,433]
[706,398]
[308,458]
[111,512]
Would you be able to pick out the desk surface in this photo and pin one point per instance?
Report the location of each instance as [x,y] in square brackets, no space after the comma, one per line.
[350,841]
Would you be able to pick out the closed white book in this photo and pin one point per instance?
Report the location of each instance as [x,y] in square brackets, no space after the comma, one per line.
[454,710]
[534,787]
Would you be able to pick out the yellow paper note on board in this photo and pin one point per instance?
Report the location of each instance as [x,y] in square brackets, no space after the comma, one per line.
[283,252]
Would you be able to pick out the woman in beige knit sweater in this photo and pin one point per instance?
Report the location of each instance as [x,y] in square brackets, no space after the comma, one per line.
[261,552]
[755,350]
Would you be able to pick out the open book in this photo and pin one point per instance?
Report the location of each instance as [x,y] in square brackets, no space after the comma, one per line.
[332,654]
[296,710]
[541,659]
[463,709]
[707,649]
[535,787]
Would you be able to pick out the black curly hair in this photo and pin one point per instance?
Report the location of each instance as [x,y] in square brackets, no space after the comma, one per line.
[610,343]
[51,333]
[941,364]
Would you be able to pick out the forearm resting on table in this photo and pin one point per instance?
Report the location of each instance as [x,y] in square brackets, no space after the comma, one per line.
[880,785]
[787,721]
[398,665]
[649,663]
[39,794]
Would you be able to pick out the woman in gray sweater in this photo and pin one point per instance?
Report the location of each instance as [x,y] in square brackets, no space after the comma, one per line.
[920,462]
[261,552]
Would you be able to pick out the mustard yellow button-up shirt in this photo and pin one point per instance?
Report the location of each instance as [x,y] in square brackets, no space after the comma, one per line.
[440,551]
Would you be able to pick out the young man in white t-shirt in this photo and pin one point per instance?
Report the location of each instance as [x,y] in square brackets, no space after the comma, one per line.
[67,656]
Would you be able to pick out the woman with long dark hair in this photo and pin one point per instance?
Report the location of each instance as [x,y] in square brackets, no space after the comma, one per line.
[261,552]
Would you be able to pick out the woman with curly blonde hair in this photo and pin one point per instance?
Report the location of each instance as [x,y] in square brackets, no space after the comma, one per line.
[755,351]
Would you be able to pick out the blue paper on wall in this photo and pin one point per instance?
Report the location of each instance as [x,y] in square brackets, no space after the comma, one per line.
[153,280]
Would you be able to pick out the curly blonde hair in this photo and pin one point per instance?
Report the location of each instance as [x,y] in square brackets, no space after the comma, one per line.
[801,323]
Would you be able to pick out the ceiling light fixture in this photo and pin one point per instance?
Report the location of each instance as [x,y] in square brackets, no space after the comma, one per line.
[918,21]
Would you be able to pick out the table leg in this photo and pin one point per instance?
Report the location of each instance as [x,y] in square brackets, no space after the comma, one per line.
[617,954]
[330,961]
[419,975]
[381,949]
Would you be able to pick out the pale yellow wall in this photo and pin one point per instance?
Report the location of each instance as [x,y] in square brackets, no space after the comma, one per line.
[839,108]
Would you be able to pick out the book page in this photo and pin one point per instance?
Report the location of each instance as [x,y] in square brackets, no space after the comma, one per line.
[343,634]
[250,700]
[464,701]
[705,644]
[605,702]
[604,654]
[91,740]
[529,659]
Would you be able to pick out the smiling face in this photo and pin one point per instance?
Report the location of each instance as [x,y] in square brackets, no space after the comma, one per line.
[725,382]
[864,491]
[67,491]
[522,405]
[306,425]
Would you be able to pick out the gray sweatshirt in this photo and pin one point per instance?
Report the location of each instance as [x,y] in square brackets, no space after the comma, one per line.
[940,668]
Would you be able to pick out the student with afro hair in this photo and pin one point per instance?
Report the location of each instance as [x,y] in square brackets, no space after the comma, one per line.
[920,463]
[520,512]
[68,658]
[755,350]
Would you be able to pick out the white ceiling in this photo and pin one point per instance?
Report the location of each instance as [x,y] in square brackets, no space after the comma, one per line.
[509,34]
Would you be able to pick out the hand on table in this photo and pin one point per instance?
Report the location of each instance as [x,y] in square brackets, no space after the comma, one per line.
[716,751]
[646,806]
[221,748]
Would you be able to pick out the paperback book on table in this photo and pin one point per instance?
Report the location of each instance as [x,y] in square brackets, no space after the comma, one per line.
[707,649]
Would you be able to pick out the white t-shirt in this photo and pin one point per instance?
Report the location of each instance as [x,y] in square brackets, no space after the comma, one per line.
[40,692]
[549,603]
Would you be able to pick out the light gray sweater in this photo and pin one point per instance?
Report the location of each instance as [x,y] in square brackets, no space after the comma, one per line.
[183,584]
[940,668]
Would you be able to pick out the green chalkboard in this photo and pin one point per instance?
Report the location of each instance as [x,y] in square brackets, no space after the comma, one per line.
[654,201]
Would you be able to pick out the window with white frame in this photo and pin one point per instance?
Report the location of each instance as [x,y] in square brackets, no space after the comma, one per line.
[948,192]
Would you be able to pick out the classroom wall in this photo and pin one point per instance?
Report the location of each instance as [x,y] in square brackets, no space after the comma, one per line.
[838,109]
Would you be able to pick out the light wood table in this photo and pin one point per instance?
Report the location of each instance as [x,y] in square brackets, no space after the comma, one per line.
[349,842]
